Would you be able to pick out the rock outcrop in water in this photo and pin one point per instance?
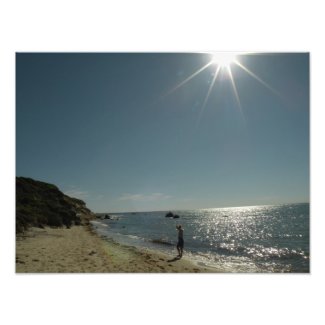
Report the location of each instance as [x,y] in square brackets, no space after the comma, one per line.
[40,204]
[171,215]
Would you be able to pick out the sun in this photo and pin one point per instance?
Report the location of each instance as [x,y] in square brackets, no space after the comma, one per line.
[223,59]
[221,63]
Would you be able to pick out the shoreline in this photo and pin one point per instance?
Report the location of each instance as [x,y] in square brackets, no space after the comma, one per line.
[81,250]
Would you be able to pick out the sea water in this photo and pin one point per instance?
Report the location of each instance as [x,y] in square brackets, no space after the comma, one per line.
[272,238]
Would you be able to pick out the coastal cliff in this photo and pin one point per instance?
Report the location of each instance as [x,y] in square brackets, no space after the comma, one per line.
[40,204]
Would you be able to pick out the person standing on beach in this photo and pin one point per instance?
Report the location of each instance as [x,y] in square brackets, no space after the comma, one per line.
[180,243]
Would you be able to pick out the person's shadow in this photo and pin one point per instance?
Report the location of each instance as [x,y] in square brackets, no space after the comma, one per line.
[174,259]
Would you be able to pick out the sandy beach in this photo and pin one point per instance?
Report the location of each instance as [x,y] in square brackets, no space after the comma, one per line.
[80,250]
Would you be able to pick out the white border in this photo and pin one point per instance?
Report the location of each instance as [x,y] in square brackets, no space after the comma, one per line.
[291,26]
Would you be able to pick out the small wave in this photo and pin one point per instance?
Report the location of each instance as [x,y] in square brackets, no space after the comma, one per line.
[133,237]
[224,263]
[98,223]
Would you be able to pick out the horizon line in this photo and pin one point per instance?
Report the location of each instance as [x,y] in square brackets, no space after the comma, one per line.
[224,207]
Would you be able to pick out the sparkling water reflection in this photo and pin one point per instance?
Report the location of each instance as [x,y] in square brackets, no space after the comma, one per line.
[241,239]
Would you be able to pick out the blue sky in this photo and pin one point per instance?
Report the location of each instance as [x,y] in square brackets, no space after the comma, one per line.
[107,128]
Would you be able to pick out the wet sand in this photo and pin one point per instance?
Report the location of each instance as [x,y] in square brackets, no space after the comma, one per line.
[80,250]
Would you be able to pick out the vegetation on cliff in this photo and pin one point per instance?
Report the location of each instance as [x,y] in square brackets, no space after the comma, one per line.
[40,204]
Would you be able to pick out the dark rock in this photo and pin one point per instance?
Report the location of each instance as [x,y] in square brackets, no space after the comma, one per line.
[176,216]
[107,216]
[169,215]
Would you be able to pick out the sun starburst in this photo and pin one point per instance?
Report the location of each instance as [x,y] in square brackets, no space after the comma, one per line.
[224,61]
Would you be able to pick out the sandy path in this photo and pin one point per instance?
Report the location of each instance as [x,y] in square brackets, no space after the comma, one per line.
[79,250]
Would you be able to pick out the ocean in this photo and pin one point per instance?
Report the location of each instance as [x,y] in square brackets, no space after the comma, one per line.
[269,238]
